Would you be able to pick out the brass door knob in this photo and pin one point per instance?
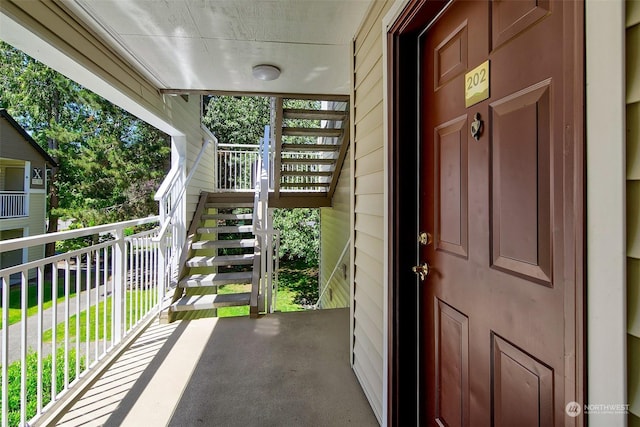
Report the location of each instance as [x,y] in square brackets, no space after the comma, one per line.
[422,270]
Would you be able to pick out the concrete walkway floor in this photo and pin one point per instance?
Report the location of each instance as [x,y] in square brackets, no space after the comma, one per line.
[284,369]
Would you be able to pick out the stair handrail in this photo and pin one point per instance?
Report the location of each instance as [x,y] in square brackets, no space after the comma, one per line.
[269,238]
[171,244]
[335,269]
[167,217]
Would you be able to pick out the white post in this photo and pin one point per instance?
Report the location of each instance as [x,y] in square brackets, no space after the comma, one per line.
[162,270]
[118,284]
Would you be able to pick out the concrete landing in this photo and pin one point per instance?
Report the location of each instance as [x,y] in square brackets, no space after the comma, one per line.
[284,369]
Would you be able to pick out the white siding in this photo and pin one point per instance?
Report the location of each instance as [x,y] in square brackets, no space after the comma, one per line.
[334,229]
[633,209]
[368,304]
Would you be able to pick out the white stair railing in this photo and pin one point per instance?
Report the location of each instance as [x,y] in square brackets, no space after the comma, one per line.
[171,196]
[269,238]
[235,166]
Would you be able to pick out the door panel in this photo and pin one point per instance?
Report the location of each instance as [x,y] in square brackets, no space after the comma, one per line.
[452,372]
[522,387]
[520,185]
[451,191]
[493,338]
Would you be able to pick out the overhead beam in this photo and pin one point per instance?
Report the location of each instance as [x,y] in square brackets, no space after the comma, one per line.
[311,96]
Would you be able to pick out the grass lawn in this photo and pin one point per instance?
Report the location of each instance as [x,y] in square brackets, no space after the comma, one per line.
[15,298]
[297,289]
[131,295]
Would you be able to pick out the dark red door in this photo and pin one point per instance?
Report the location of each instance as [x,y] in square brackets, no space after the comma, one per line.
[499,344]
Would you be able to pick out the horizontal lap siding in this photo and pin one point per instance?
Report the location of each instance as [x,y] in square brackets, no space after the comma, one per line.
[633,209]
[368,311]
[334,229]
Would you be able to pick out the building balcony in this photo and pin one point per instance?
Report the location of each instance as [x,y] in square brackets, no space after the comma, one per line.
[13,204]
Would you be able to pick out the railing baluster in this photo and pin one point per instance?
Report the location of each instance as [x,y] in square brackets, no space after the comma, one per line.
[77,299]
[87,331]
[97,313]
[5,282]
[67,316]
[24,284]
[39,337]
[54,323]
[105,308]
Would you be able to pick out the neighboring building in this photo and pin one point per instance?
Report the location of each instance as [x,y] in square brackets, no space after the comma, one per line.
[533,205]
[23,184]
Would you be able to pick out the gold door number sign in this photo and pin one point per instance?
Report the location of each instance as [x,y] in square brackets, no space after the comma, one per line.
[476,84]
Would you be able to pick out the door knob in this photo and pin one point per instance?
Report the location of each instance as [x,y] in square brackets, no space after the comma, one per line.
[422,270]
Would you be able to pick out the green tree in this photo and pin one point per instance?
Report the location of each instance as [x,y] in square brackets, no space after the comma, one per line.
[299,233]
[237,119]
[109,162]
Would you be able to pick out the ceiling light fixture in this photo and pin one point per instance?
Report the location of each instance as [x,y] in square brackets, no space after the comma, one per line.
[265,72]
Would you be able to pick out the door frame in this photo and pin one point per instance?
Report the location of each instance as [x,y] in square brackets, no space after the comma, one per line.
[400,27]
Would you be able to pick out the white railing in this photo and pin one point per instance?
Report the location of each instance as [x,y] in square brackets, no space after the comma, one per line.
[13,204]
[236,166]
[170,196]
[333,273]
[72,310]
[269,238]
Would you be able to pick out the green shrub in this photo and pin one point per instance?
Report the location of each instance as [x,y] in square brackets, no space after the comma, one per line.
[32,382]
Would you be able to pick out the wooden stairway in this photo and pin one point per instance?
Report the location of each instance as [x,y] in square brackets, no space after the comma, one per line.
[310,146]
[221,251]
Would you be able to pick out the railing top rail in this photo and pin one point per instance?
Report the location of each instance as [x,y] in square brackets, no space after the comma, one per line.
[211,138]
[172,176]
[252,146]
[41,239]
[12,192]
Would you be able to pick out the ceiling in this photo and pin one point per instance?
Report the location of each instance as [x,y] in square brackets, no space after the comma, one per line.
[212,45]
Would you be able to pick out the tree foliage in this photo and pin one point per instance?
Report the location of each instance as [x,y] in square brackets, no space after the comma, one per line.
[237,119]
[299,233]
[109,162]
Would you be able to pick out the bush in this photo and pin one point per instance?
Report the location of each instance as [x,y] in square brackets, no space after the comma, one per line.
[32,382]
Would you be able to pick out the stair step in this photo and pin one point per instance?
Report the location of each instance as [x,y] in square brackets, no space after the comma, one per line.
[216,279]
[228,205]
[213,244]
[304,184]
[296,113]
[226,229]
[310,147]
[304,173]
[227,216]
[309,161]
[207,302]
[325,132]
[211,261]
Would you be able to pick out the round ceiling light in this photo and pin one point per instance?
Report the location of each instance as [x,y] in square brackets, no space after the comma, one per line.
[265,72]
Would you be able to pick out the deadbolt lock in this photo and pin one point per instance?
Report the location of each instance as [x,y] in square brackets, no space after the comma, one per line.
[425,238]
[422,270]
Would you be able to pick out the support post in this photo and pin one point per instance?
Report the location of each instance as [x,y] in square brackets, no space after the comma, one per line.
[118,278]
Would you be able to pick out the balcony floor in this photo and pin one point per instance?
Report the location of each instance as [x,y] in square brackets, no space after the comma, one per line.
[284,369]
